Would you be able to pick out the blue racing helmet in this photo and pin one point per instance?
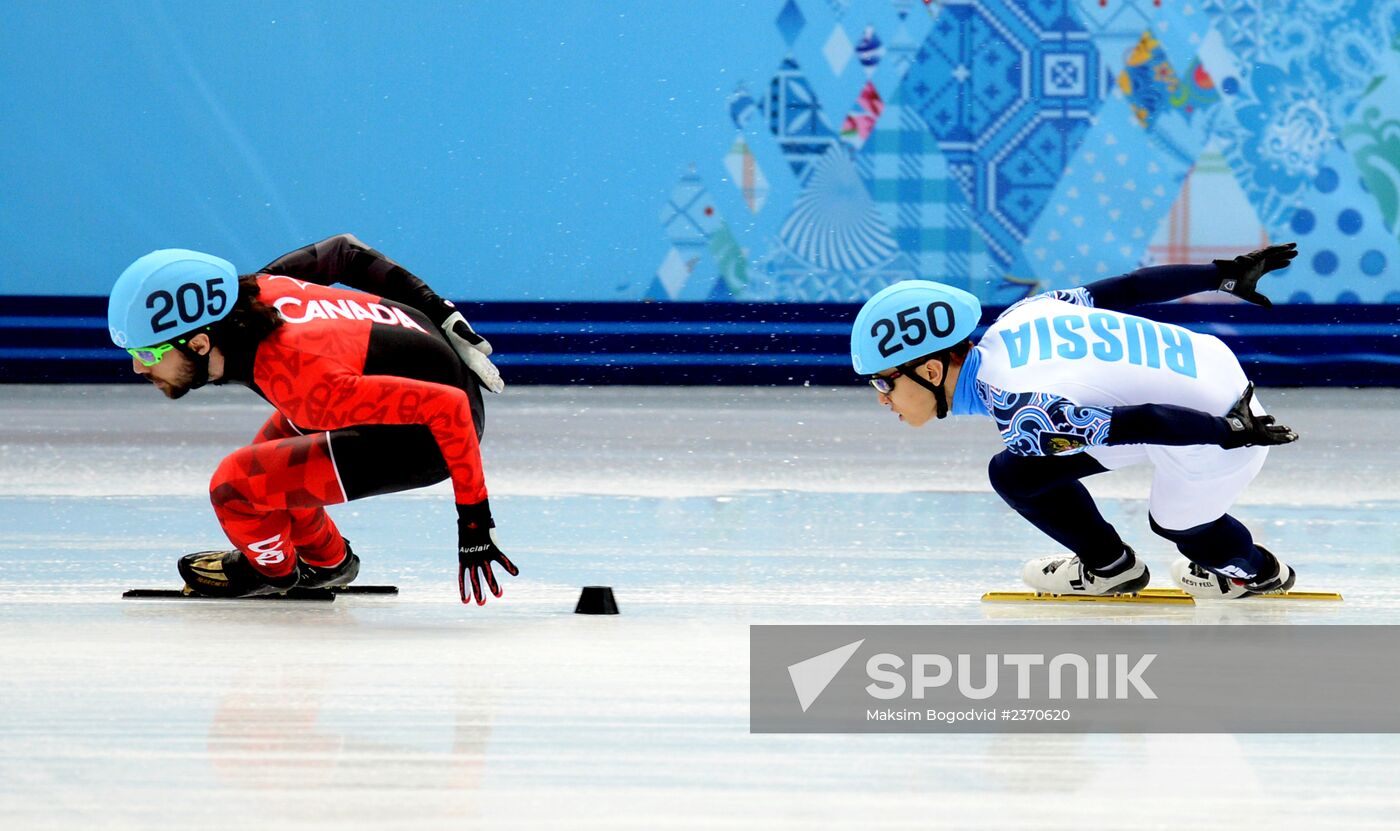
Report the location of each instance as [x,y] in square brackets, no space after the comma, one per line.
[909,320]
[168,293]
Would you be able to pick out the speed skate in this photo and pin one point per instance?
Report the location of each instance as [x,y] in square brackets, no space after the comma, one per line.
[1177,597]
[324,595]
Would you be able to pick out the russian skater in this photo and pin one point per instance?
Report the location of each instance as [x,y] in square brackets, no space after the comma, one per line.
[374,391]
[1077,386]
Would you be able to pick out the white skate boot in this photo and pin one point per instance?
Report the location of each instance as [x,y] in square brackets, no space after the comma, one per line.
[1065,574]
[1201,582]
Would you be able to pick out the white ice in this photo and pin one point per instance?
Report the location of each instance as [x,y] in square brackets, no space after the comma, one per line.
[707,509]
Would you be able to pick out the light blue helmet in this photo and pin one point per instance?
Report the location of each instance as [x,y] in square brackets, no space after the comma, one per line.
[168,293]
[909,320]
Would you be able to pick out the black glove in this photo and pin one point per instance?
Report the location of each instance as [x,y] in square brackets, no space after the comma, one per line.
[476,548]
[1247,429]
[1240,276]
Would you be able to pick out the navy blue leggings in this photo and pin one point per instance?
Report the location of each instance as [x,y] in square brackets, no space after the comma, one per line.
[1046,491]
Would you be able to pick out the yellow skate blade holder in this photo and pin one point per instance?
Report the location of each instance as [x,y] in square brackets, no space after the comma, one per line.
[1166,597]
[1289,595]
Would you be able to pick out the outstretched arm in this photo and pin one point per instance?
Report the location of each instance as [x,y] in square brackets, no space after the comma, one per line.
[1158,284]
[344,259]
[1042,424]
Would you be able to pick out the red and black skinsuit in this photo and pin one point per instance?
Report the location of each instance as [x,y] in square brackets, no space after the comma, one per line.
[370,399]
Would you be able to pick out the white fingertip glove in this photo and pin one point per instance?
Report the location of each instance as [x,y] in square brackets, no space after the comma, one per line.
[473,349]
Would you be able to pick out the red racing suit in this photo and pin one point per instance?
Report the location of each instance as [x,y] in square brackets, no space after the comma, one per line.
[370,398]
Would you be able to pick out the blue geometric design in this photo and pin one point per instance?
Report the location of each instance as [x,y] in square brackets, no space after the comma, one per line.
[1125,175]
[1111,198]
[1117,26]
[835,225]
[1043,143]
[1009,91]
[1327,47]
[796,119]
[1282,137]
[923,207]
[790,22]
[1064,75]
[1344,234]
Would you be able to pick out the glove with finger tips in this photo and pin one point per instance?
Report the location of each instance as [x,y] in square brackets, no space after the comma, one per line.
[477,550]
[1246,429]
[1240,276]
[474,350]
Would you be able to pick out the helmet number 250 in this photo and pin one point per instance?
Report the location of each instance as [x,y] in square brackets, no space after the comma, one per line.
[188,302]
[912,329]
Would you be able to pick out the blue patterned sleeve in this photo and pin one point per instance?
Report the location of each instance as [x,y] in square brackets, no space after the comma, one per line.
[1079,297]
[1041,424]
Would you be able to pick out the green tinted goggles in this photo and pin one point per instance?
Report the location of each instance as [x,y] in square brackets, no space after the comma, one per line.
[152,355]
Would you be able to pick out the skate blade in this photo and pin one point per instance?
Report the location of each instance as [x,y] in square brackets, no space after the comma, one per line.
[1288,595]
[1169,597]
[293,594]
[186,594]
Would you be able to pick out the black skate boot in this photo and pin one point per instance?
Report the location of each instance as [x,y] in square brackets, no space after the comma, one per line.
[229,574]
[1279,583]
[332,577]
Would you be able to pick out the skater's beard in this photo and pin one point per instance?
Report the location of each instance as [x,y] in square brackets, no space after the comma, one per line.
[193,373]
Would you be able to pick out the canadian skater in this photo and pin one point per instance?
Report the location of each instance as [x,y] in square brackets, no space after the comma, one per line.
[1077,386]
[375,390]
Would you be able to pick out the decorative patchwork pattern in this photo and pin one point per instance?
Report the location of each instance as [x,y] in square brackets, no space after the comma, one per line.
[1152,86]
[1210,219]
[870,50]
[1117,26]
[1125,176]
[1282,139]
[861,120]
[790,22]
[795,118]
[1009,147]
[1009,92]
[838,50]
[695,228]
[746,175]
[923,207]
[835,225]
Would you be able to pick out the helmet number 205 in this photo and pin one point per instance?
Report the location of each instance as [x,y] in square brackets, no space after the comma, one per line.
[189,301]
[912,328]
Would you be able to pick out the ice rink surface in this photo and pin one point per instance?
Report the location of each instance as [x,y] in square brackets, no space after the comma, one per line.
[707,509]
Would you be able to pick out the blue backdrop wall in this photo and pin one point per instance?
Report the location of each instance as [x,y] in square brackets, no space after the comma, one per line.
[788,152]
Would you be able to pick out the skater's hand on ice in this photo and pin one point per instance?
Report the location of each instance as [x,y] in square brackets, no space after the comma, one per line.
[1240,276]
[1247,429]
[476,550]
[474,350]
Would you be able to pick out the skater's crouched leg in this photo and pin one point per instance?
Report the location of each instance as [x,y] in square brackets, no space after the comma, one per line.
[1223,546]
[1223,561]
[269,499]
[1046,491]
